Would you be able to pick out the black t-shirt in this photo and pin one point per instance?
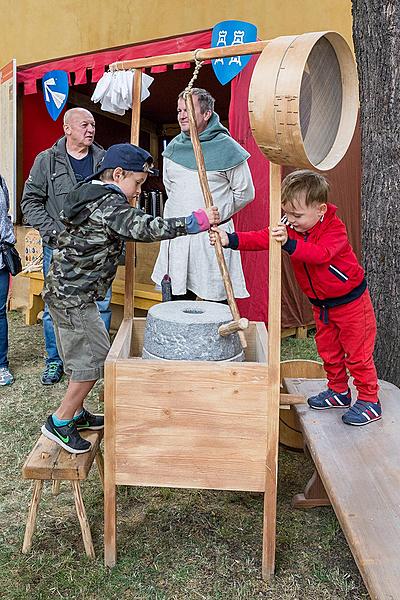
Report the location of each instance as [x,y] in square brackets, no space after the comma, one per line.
[82,167]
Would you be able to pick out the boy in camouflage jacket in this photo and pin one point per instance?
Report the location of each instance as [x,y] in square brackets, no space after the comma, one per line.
[98,219]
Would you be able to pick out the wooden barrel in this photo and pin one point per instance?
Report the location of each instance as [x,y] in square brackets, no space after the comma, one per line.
[303,100]
[290,435]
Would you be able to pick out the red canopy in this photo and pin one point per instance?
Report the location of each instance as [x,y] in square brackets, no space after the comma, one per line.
[97,62]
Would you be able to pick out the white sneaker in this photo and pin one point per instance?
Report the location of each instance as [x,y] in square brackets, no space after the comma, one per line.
[6,378]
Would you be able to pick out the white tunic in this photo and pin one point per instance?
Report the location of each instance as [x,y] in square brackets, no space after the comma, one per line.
[190,261]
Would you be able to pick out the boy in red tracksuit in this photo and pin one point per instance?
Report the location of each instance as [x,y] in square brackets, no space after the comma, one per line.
[328,272]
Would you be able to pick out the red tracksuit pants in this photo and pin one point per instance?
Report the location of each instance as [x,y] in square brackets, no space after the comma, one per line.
[346,343]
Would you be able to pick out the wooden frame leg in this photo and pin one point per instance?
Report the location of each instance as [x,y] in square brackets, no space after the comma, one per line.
[314,494]
[110,524]
[100,466]
[32,514]
[55,487]
[81,512]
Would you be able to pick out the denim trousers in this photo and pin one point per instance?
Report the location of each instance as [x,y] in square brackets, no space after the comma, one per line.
[48,328]
[4,285]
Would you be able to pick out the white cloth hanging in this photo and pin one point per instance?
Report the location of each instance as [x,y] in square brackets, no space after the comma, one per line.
[114,91]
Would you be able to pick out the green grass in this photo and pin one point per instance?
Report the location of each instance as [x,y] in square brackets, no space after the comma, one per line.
[173,544]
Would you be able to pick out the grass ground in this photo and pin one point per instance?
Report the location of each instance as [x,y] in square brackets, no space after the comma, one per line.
[173,544]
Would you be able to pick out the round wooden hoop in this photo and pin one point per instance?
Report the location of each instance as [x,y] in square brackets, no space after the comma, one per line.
[279,104]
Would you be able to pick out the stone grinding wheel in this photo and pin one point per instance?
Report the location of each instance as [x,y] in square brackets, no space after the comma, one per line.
[303,100]
[188,330]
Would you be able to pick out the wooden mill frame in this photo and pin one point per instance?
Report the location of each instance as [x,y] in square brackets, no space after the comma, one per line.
[226,414]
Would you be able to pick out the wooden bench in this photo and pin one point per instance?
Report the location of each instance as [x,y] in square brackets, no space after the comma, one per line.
[357,471]
[145,295]
[49,462]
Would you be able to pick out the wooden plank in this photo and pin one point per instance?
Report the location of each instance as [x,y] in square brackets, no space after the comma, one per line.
[48,460]
[360,471]
[191,424]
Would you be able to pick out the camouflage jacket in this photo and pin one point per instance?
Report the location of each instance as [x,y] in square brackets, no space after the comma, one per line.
[97,219]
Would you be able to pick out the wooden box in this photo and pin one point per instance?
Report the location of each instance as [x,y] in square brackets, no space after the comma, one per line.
[185,424]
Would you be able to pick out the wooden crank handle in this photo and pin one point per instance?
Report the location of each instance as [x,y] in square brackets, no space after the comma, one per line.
[208,201]
[233,327]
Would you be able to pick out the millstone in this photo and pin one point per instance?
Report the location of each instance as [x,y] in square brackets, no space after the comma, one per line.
[186,330]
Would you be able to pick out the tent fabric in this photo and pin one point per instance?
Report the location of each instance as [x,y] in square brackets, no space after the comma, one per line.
[345,178]
[296,309]
[98,61]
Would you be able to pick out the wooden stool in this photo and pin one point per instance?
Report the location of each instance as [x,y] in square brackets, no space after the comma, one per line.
[48,461]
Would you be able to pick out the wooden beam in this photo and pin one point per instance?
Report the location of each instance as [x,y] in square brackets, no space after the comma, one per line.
[181,57]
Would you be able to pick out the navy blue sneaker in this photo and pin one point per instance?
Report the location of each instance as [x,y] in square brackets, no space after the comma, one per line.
[66,436]
[330,399]
[52,373]
[89,421]
[362,413]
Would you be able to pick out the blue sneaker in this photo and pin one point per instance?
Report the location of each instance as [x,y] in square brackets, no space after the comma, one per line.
[330,399]
[6,378]
[362,413]
[52,373]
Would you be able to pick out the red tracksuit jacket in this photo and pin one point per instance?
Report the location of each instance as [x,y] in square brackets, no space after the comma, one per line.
[324,263]
[328,272]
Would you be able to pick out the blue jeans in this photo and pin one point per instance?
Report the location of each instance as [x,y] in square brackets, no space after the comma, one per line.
[48,329]
[4,284]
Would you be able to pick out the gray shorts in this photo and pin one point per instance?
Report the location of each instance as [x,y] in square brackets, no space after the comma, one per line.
[82,341]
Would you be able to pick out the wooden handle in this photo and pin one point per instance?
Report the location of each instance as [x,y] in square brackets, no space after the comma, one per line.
[233,327]
[205,188]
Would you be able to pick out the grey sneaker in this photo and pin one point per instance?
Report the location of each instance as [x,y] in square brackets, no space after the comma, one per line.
[6,378]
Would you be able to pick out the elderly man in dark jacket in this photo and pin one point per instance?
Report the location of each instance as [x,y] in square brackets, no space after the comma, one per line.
[54,173]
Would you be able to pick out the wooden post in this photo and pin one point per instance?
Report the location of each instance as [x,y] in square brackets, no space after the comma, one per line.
[273,391]
[205,188]
[130,246]
[110,496]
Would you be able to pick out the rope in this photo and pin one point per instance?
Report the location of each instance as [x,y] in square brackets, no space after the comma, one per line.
[199,64]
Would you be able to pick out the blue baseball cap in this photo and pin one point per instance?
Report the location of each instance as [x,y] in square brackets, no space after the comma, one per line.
[127,156]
